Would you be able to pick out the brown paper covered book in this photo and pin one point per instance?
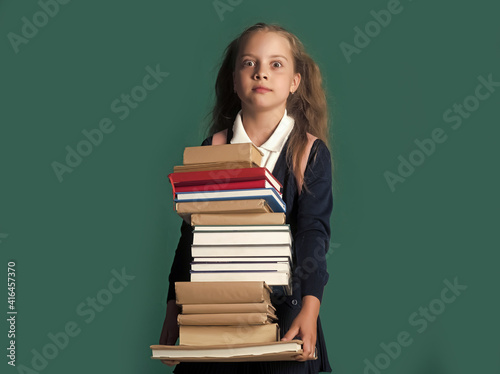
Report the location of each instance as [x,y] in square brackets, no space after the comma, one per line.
[222,153]
[222,292]
[238,219]
[215,166]
[275,351]
[226,319]
[215,335]
[224,206]
[262,307]
[272,278]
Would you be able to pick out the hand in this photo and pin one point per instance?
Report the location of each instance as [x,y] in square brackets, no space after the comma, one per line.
[305,326]
[170,330]
[170,362]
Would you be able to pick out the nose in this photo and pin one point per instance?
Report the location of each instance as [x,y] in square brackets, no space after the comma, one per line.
[260,73]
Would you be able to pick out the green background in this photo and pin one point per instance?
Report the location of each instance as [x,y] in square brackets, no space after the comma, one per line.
[392,251]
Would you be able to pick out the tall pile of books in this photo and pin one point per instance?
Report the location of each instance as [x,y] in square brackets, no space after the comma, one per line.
[238,214]
[241,249]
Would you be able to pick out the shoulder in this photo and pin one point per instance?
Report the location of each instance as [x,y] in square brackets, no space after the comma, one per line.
[316,149]
[207,141]
[320,159]
[217,138]
[320,148]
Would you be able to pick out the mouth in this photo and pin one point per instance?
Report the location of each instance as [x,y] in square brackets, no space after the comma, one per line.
[261,89]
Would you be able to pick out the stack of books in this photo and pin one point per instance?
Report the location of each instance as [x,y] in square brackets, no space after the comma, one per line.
[241,248]
[238,214]
[242,253]
[225,179]
[224,321]
[215,313]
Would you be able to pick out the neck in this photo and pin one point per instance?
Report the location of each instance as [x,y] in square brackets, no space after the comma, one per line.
[259,126]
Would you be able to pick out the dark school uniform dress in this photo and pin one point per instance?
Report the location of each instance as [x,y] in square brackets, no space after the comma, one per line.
[308,215]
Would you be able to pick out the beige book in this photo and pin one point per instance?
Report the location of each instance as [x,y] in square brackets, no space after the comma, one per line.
[215,166]
[222,153]
[214,335]
[273,351]
[226,319]
[222,292]
[198,219]
[228,308]
[223,206]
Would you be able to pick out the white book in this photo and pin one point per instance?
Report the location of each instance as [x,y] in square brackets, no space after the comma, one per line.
[272,196]
[283,250]
[211,266]
[241,237]
[239,228]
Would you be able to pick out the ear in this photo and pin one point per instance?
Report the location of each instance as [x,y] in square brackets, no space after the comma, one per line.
[295,82]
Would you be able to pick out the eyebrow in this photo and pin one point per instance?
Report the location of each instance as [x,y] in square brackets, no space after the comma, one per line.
[273,56]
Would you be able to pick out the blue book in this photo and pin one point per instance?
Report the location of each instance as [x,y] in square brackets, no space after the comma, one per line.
[271,196]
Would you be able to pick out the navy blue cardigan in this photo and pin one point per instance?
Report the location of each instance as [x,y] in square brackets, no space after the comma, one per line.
[308,215]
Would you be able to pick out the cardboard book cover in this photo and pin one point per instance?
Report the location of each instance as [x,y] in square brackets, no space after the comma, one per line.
[273,351]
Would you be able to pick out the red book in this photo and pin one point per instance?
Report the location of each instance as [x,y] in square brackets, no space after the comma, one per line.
[222,177]
[226,186]
[193,178]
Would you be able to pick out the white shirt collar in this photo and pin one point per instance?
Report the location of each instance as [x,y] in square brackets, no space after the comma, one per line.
[275,141]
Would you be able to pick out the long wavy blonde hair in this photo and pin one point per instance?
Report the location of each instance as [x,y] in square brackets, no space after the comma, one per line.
[307,106]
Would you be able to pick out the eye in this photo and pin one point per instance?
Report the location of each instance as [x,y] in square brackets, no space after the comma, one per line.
[277,64]
[248,63]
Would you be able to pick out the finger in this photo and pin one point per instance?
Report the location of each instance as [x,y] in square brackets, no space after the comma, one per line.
[303,357]
[291,333]
[170,362]
[307,347]
[312,354]
[300,357]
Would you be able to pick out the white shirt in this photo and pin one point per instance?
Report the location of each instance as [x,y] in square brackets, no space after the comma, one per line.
[272,147]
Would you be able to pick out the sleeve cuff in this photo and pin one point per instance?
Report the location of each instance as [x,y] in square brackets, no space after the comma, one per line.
[311,271]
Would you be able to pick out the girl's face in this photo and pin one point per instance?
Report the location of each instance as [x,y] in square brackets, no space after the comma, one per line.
[264,72]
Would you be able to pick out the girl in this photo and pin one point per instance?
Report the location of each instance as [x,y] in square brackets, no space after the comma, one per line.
[268,92]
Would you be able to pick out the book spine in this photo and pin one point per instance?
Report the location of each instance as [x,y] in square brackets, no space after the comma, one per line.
[227,186]
[225,319]
[213,335]
[238,219]
[261,238]
[224,206]
[221,292]
[221,153]
[262,307]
